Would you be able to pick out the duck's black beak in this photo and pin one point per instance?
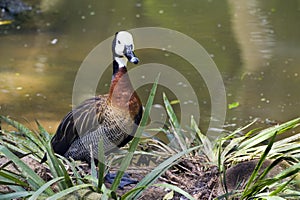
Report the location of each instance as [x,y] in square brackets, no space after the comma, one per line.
[128,52]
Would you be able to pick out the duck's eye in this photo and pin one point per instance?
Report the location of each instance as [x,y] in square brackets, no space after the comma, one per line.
[119,42]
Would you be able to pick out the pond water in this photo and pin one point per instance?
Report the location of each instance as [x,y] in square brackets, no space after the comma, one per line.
[255,45]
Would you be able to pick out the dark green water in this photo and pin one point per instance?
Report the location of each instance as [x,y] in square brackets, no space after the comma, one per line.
[255,45]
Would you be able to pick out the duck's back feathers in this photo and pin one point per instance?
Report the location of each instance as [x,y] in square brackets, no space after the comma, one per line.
[80,121]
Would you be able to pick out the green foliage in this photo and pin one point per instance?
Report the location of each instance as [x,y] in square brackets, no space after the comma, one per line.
[175,127]
[251,146]
[226,151]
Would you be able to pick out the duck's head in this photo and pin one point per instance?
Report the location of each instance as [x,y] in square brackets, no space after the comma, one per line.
[123,48]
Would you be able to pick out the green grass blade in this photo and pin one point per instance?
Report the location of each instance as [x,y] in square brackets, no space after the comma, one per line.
[126,160]
[68,191]
[176,189]
[6,183]
[268,133]
[105,193]
[261,185]
[75,170]
[288,140]
[43,135]
[14,187]
[291,193]
[37,193]
[12,147]
[231,147]
[177,132]
[24,130]
[171,112]
[271,198]
[12,179]
[16,125]
[281,187]
[67,178]
[272,165]
[101,165]
[207,144]
[292,170]
[258,166]
[93,172]
[55,166]
[34,179]
[15,195]
[130,192]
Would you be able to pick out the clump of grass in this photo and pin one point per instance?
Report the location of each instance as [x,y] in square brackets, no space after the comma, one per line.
[224,152]
[233,149]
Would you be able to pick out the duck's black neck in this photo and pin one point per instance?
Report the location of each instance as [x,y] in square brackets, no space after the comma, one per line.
[116,67]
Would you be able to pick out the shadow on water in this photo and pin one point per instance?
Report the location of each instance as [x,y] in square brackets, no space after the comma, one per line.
[254,44]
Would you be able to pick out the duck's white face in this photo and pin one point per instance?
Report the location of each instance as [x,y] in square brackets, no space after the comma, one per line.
[123,38]
[123,46]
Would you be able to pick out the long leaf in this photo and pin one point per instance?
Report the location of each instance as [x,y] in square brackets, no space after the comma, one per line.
[15,195]
[281,187]
[10,144]
[101,165]
[44,136]
[66,192]
[24,130]
[93,169]
[266,183]
[268,133]
[36,181]
[292,170]
[15,124]
[207,144]
[177,132]
[126,160]
[258,166]
[55,166]
[67,178]
[12,179]
[130,192]
[37,193]
[176,189]
[271,198]
[272,165]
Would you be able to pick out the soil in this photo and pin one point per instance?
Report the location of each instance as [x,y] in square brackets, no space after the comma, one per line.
[193,174]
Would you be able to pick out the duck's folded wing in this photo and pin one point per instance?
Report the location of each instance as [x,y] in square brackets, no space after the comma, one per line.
[82,120]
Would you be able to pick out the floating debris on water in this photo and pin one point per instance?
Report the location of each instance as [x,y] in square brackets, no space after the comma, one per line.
[54,41]
[5,22]
[233,105]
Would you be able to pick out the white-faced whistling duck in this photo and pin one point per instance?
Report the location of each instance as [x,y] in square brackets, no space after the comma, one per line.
[112,117]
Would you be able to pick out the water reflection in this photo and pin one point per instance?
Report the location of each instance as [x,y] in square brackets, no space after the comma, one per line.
[254,33]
